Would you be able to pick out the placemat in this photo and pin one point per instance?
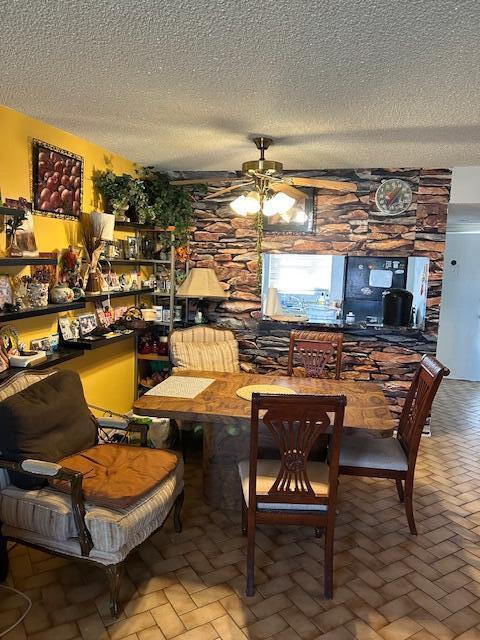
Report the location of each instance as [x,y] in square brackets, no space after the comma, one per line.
[246,392]
[180,387]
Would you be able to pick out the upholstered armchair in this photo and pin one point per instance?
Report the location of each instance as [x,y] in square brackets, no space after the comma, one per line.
[205,348]
[62,492]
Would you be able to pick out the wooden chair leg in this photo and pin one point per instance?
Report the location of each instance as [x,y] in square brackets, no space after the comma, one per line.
[244,517]
[250,591]
[401,495]
[4,563]
[177,522]
[114,575]
[409,506]
[328,562]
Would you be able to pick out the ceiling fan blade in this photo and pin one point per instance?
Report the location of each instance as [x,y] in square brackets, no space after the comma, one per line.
[220,192]
[288,189]
[206,180]
[320,183]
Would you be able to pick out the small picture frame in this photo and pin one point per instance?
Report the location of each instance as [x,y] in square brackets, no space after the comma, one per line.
[133,248]
[88,323]
[6,292]
[66,329]
[41,344]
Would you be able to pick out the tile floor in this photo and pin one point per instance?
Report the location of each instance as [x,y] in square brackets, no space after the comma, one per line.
[388,584]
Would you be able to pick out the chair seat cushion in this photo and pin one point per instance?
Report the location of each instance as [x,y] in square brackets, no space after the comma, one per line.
[372,453]
[267,471]
[211,356]
[117,476]
[48,512]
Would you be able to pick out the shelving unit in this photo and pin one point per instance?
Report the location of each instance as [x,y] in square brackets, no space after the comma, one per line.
[25,262]
[154,357]
[7,316]
[161,269]
[145,364]
[90,345]
[62,355]
[137,262]
[104,295]
[9,211]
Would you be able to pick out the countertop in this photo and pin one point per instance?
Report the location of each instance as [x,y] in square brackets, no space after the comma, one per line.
[268,324]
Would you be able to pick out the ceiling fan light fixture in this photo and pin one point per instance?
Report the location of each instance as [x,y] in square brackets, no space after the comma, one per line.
[269,209]
[282,202]
[252,202]
[240,205]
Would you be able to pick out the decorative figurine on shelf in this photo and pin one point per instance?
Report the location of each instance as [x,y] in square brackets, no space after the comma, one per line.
[183,254]
[19,293]
[19,229]
[10,342]
[94,246]
[4,361]
[61,294]
[70,264]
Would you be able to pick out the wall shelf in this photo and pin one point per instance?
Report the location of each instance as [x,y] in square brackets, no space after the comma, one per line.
[63,355]
[153,356]
[90,345]
[92,297]
[120,226]
[25,262]
[139,262]
[6,316]
[10,211]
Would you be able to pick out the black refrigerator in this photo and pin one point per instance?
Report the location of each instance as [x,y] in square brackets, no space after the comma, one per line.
[365,281]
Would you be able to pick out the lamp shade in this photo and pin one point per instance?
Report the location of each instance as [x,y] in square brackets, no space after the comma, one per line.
[201,283]
[103,225]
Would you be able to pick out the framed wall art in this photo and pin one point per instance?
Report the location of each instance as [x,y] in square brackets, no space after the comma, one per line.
[300,219]
[57,177]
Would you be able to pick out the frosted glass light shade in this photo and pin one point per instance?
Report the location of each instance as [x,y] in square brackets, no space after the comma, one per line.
[201,283]
[269,209]
[239,205]
[282,202]
[253,202]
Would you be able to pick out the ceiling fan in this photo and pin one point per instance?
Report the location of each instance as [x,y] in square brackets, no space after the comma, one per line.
[270,191]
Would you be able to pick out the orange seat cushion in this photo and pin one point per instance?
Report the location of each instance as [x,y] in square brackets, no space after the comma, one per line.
[116,475]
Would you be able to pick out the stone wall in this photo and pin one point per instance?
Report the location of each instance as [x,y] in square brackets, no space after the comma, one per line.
[346,224]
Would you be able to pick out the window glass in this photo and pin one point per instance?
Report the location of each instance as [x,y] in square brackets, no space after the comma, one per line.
[303,285]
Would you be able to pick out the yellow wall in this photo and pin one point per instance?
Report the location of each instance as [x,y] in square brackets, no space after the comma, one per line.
[107,373]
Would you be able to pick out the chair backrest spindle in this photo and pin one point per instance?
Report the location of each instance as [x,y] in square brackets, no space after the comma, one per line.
[315,350]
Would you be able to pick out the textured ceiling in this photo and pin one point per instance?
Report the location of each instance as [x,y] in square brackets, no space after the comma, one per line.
[183,85]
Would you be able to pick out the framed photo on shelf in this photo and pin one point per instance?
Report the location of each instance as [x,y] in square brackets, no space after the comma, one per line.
[69,328]
[6,293]
[300,219]
[132,248]
[57,181]
[88,322]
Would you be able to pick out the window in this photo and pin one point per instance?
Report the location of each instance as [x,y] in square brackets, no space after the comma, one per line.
[304,285]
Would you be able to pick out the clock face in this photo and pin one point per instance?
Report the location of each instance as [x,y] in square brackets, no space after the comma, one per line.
[393,196]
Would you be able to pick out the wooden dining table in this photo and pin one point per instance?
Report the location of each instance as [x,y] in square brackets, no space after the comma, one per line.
[225,418]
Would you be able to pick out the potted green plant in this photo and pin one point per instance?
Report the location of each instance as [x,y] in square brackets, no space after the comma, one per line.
[123,195]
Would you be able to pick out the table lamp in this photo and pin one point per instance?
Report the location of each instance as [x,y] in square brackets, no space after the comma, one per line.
[201,284]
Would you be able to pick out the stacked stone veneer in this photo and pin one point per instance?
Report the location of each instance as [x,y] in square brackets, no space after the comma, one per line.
[346,224]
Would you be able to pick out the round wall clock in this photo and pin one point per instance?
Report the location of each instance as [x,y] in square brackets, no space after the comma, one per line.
[393,196]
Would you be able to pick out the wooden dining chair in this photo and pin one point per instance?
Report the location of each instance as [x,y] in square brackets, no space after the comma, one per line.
[292,490]
[396,457]
[315,350]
